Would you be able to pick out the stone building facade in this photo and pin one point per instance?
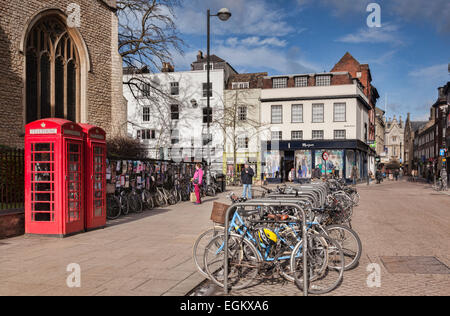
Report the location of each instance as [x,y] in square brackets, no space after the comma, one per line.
[394,141]
[53,64]
[410,129]
[379,132]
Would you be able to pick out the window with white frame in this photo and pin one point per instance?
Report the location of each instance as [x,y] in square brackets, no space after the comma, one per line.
[301,81]
[175,111]
[205,89]
[276,135]
[207,115]
[297,113]
[211,66]
[317,134]
[296,135]
[323,80]
[242,142]
[339,112]
[146,134]
[339,134]
[279,83]
[277,114]
[144,90]
[317,113]
[242,113]
[146,114]
[175,136]
[174,88]
[240,85]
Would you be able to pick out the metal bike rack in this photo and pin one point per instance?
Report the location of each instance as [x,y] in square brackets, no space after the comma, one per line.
[267,203]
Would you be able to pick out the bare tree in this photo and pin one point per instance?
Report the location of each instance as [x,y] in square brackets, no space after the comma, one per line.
[147,32]
[240,117]
[147,39]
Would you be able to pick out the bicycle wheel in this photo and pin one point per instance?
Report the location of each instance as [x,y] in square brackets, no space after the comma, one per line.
[355,198]
[124,206]
[198,250]
[160,199]
[171,198]
[210,191]
[350,243]
[134,203]
[325,264]
[112,207]
[147,198]
[243,261]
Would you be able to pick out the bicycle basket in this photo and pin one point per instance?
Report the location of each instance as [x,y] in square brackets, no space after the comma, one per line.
[218,212]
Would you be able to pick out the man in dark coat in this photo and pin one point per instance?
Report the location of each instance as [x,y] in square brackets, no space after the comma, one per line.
[247,179]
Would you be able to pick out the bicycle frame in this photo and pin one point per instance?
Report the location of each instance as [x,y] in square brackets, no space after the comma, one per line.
[267,203]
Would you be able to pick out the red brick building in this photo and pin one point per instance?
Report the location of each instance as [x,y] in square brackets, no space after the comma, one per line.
[362,73]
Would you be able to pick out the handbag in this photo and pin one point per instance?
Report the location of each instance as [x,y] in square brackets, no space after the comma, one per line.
[193,197]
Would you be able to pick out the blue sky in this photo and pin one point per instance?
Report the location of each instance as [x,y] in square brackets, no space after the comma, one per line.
[408,55]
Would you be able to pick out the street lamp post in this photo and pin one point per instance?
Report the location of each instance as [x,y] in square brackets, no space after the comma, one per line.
[223,14]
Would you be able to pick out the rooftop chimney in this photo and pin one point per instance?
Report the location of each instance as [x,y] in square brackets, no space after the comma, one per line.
[199,55]
[167,67]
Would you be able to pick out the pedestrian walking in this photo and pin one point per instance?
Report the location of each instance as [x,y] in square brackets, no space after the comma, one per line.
[198,181]
[396,173]
[354,173]
[378,176]
[247,180]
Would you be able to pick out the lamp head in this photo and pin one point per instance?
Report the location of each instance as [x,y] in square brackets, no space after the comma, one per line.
[224,14]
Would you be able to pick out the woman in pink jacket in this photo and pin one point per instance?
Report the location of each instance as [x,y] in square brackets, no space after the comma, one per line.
[198,180]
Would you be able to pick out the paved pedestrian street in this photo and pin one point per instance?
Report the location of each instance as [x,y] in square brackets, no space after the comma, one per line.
[403,227]
[398,223]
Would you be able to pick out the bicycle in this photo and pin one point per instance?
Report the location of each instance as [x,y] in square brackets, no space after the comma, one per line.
[113,207]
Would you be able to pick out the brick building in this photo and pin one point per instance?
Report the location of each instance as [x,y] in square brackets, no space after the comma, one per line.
[410,129]
[53,64]
[49,69]
[362,73]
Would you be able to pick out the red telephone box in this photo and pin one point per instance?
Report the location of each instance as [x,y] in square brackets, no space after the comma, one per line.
[54,177]
[95,176]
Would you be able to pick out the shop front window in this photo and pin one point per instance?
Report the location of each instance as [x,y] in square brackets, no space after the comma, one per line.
[303,164]
[272,167]
[334,164]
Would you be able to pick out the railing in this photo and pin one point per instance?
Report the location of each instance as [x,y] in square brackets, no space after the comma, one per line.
[11,178]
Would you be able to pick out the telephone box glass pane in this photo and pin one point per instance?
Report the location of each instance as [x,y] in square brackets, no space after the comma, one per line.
[42,182]
[73,183]
[98,178]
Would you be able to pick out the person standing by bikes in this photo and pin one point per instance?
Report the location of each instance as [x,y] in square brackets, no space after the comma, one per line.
[198,181]
[247,180]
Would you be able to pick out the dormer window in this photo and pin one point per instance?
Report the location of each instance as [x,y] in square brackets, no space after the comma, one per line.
[279,83]
[324,80]
[301,81]
[211,66]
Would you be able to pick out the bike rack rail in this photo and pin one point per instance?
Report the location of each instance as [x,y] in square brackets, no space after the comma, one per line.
[263,202]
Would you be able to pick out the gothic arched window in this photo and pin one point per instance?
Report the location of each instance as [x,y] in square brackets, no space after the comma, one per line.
[52,72]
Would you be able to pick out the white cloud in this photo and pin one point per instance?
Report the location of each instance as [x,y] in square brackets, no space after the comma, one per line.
[249,17]
[436,72]
[254,41]
[387,33]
